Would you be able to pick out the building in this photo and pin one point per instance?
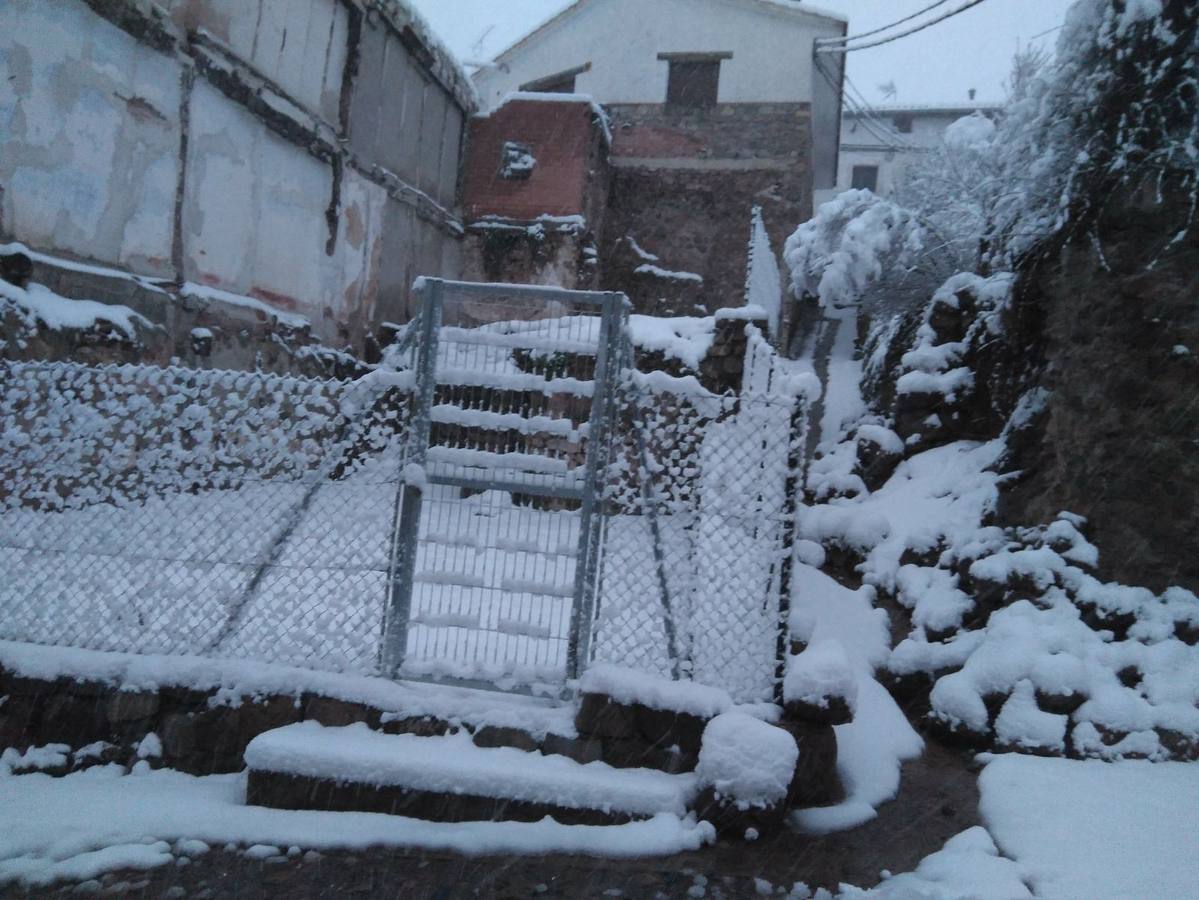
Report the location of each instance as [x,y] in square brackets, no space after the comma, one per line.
[251,177]
[878,144]
[709,108]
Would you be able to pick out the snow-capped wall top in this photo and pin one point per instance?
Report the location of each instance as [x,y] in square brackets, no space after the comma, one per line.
[630,686]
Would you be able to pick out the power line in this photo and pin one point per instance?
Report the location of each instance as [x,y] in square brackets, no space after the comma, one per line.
[824,45]
[855,37]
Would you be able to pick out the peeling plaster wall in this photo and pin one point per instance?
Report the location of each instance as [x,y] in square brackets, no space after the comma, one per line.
[302,152]
[89,136]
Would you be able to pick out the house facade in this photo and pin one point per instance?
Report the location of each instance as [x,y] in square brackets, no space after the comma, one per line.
[711,108]
[877,146]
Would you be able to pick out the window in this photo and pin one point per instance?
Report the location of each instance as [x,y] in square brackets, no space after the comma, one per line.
[865,177]
[558,83]
[694,79]
[903,124]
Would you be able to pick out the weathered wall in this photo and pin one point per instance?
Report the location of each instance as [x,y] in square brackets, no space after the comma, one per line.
[684,187]
[301,152]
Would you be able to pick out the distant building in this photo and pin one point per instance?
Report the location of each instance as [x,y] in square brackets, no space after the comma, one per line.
[713,107]
[878,145]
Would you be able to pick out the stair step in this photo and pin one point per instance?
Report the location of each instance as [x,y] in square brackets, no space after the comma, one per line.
[509,381]
[449,779]
[450,414]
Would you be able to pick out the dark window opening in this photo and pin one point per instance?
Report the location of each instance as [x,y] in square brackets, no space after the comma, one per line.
[865,177]
[903,124]
[694,79]
[558,83]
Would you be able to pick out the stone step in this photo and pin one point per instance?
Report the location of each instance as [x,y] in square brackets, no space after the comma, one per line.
[449,779]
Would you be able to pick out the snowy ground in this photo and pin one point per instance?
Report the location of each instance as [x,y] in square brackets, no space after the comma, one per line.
[1067,830]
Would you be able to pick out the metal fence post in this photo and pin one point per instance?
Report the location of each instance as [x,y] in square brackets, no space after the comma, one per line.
[794,485]
[409,496]
[583,612]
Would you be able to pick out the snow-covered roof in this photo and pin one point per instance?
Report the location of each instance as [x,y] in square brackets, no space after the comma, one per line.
[793,6]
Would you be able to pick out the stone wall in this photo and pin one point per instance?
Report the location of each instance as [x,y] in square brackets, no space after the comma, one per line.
[1119,349]
[684,187]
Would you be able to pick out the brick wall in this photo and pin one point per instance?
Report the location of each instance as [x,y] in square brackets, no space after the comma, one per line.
[564,139]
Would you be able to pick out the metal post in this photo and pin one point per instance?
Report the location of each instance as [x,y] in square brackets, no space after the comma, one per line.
[795,472]
[409,496]
[578,650]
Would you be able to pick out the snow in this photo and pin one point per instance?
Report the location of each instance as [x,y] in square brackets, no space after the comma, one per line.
[236,680]
[747,760]
[844,250]
[669,275]
[764,285]
[685,338]
[969,867]
[58,312]
[821,673]
[453,764]
[80,826]
[1089,830]
[216,295]
[51,756]
[970,131]
[630,686]
[60,262]
[870,749]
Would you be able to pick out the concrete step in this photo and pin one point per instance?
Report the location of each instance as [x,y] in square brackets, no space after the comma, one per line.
[449,779]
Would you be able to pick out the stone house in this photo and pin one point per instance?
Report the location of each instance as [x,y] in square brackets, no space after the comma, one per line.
[709,108]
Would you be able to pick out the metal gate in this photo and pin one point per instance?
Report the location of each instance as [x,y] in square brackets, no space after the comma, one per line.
[493,571]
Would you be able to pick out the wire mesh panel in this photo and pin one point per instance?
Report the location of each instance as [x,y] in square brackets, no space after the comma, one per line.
[176,511]
[699,495]
[495,538]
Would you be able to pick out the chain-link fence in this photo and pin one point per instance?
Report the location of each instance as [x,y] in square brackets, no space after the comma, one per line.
[247,515]
[177,511]
[700,510]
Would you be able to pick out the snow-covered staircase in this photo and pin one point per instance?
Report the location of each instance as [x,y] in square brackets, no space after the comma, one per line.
[450,779]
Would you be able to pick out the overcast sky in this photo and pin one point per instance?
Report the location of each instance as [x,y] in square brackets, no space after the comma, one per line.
[938,65]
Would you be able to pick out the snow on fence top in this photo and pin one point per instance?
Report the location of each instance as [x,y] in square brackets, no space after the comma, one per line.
[764,285]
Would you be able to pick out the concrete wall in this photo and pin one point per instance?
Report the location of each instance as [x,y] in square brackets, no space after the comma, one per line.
[301,152]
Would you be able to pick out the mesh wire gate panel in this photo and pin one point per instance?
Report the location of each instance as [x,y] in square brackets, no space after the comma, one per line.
[700,506]
[176,511]
[497,538]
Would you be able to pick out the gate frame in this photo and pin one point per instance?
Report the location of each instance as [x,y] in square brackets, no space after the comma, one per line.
[613,308]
